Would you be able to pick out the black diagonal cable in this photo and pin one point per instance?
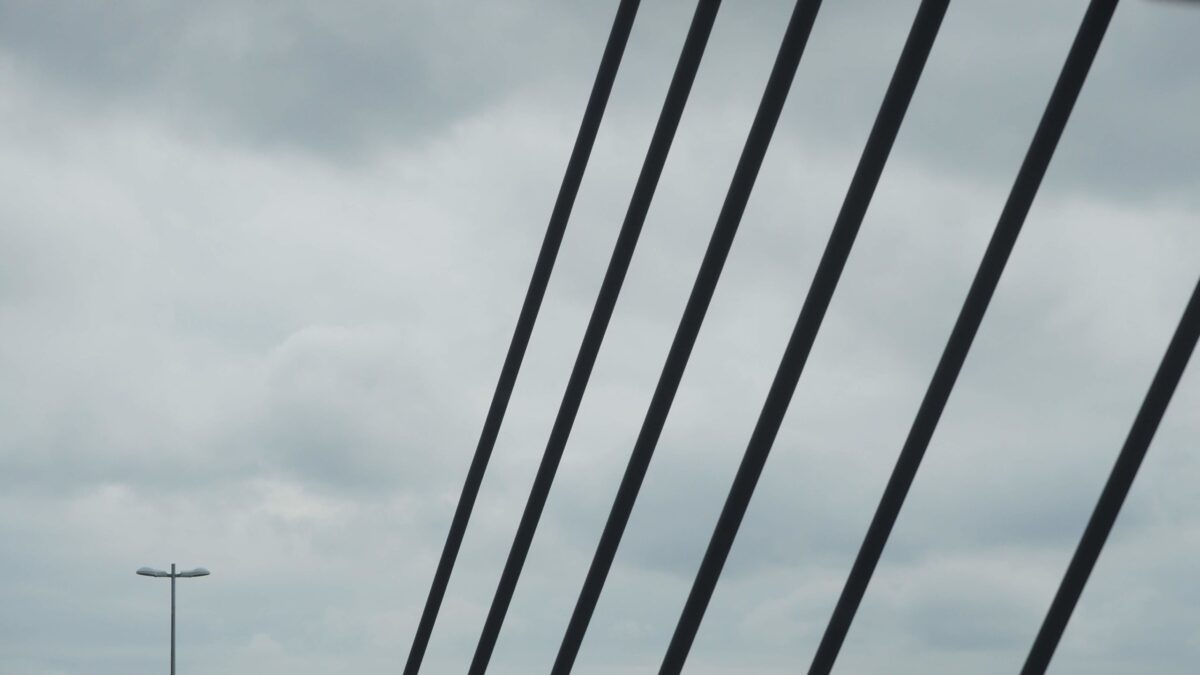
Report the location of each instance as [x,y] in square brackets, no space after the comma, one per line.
[854,208]
[758,140]
[1012,217]
[593,337]
[593,114]
[1170,370]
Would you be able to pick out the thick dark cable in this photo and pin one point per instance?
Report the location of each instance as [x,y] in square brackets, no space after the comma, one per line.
[1012,217]
[588,128]
[593,337]
[758,140]
[833,261]
[1170,370]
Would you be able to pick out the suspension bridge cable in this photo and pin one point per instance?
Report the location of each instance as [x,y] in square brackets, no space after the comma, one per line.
[1170,370]
[858,197]
[656,157]
[1012,217]
[588,128]
[745,174]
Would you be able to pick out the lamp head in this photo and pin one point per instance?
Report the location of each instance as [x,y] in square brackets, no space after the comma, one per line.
[198,572]
[151,572]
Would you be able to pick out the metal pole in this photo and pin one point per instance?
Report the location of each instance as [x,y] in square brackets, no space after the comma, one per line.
[172,618]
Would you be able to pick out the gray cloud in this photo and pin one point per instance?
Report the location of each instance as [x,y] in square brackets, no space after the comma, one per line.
[260,264]
[338,81]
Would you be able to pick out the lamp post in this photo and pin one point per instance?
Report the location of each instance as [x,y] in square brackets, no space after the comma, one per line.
[173,575]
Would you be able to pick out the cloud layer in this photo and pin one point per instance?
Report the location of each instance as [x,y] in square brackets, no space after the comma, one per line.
[259,264]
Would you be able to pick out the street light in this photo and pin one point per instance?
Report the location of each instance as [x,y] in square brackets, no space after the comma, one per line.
[151,572]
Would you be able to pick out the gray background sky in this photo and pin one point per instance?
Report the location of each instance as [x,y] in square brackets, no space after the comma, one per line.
[259,263]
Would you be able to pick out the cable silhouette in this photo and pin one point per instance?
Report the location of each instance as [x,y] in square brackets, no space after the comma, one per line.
[873,160]
[879,143]
[656,157]
[746,172]
[1012,217]
[576,165]
[1170,370]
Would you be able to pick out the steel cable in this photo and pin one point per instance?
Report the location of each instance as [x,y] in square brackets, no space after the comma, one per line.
[746,172]
[1170,370]
[1012,217]
[614,277]
[592,116]
[837,251]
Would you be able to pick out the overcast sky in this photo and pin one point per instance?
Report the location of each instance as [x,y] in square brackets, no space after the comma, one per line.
[259,264]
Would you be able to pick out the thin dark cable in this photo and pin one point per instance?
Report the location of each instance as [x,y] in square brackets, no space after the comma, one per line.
[588,128]
[1170,370]
[593,337]
[745,174]
[833,261]
[1029,178]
